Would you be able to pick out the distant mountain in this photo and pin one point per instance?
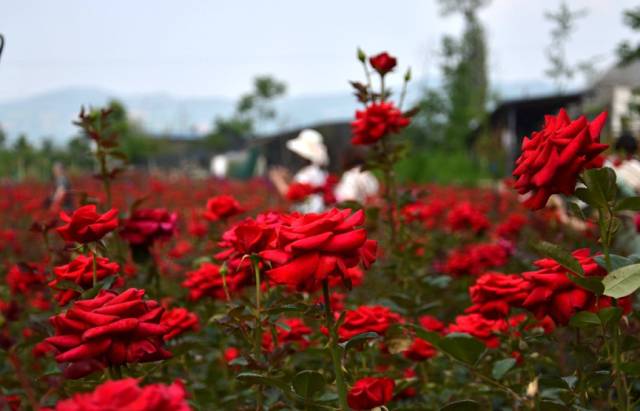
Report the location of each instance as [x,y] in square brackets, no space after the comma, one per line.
[50,115]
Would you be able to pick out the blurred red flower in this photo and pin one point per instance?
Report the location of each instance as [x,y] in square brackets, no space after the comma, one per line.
[375,122]
[370,392]
[85,225]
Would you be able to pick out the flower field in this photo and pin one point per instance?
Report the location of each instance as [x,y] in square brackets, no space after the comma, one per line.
[169,293]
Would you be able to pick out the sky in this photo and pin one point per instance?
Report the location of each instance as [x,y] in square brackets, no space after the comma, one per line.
[197,48]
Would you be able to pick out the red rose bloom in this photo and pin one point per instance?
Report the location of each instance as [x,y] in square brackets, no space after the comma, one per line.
[112,329]
[420,349]
[382,63]
[494,294]
[126,394]
[24,278]
[320,246]
[552,293]
[295,333]
[222,207]
[207,281]
[146,226]
[80,272]
[367,318]
[370,392]
[376,121]
[511,226]
[299,192]
[431,323]
[553,157]
[231,354]
[85,225]
[482,328]
[178,321]
[475,259]
[464,216]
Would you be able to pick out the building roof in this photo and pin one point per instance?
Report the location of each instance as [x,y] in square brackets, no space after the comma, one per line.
[627,75]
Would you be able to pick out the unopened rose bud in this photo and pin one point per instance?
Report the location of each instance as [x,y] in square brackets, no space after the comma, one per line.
[407,75]
[361,55]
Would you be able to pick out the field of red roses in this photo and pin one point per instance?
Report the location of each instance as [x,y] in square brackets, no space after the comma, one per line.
[161,293]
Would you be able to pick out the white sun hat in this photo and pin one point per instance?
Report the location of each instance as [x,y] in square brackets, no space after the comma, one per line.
[309,145]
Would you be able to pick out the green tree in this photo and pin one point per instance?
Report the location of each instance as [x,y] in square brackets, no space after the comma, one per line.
[560,70]
[464,70]
[628,51]
[134,142]
[253,111]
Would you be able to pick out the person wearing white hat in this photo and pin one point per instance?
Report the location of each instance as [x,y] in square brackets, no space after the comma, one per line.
[310,146]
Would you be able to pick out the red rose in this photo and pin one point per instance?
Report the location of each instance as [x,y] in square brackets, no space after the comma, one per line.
[494,294]
[295,332]
[431,323]
[178,321]
[251,236]
[231,354]
[553,157]
[376,121]
[475,259]
[299,192]
[85,225]
[146,226]
[370,392]
[367,318]
[25,278]
[111,328]
[552,293]
[429,214]
[126,394]
[207,281]
[320,246]
[80,272]
[464,216]
[420,350]
[383,63]
[511,226]
[222,207]
[480,327]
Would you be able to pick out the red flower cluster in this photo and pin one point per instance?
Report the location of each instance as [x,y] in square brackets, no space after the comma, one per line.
[494,294]
[85,225]
[370,392]
[367,318]
[485,329]
[146,226]
[420,349]
[127,394]
[222,207]
[464,216]
[475,259]
[376,121]
[207,281]
[294,333]
[80,272]
[299,191]
[321,246]
[552,293]
[178,321]
[553,157]
[110,329]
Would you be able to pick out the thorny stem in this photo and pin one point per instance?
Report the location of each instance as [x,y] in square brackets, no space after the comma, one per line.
[390,193]
[333,347]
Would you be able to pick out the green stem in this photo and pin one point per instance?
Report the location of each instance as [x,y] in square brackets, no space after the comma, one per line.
[95,268]
[257,332]
[333,348]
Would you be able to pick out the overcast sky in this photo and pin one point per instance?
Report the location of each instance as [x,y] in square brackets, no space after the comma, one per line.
[208,48]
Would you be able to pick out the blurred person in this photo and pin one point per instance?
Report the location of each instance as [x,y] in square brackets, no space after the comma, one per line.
[355,184]
[62,197]
[310,146]
[219,166]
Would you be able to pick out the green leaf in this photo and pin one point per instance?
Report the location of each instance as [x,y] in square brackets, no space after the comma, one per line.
[430,336]
[462,405]
[553,406]
[462,347]
[69,285]
[622,282]
[576,210]
[631,368]
[308,383]
[585,319]
[254,378]
[501,367]
[359,340]
[610,314]
[601,183]
[617,261]
[629,203]
[593,284]
[562,256]
[585,195]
